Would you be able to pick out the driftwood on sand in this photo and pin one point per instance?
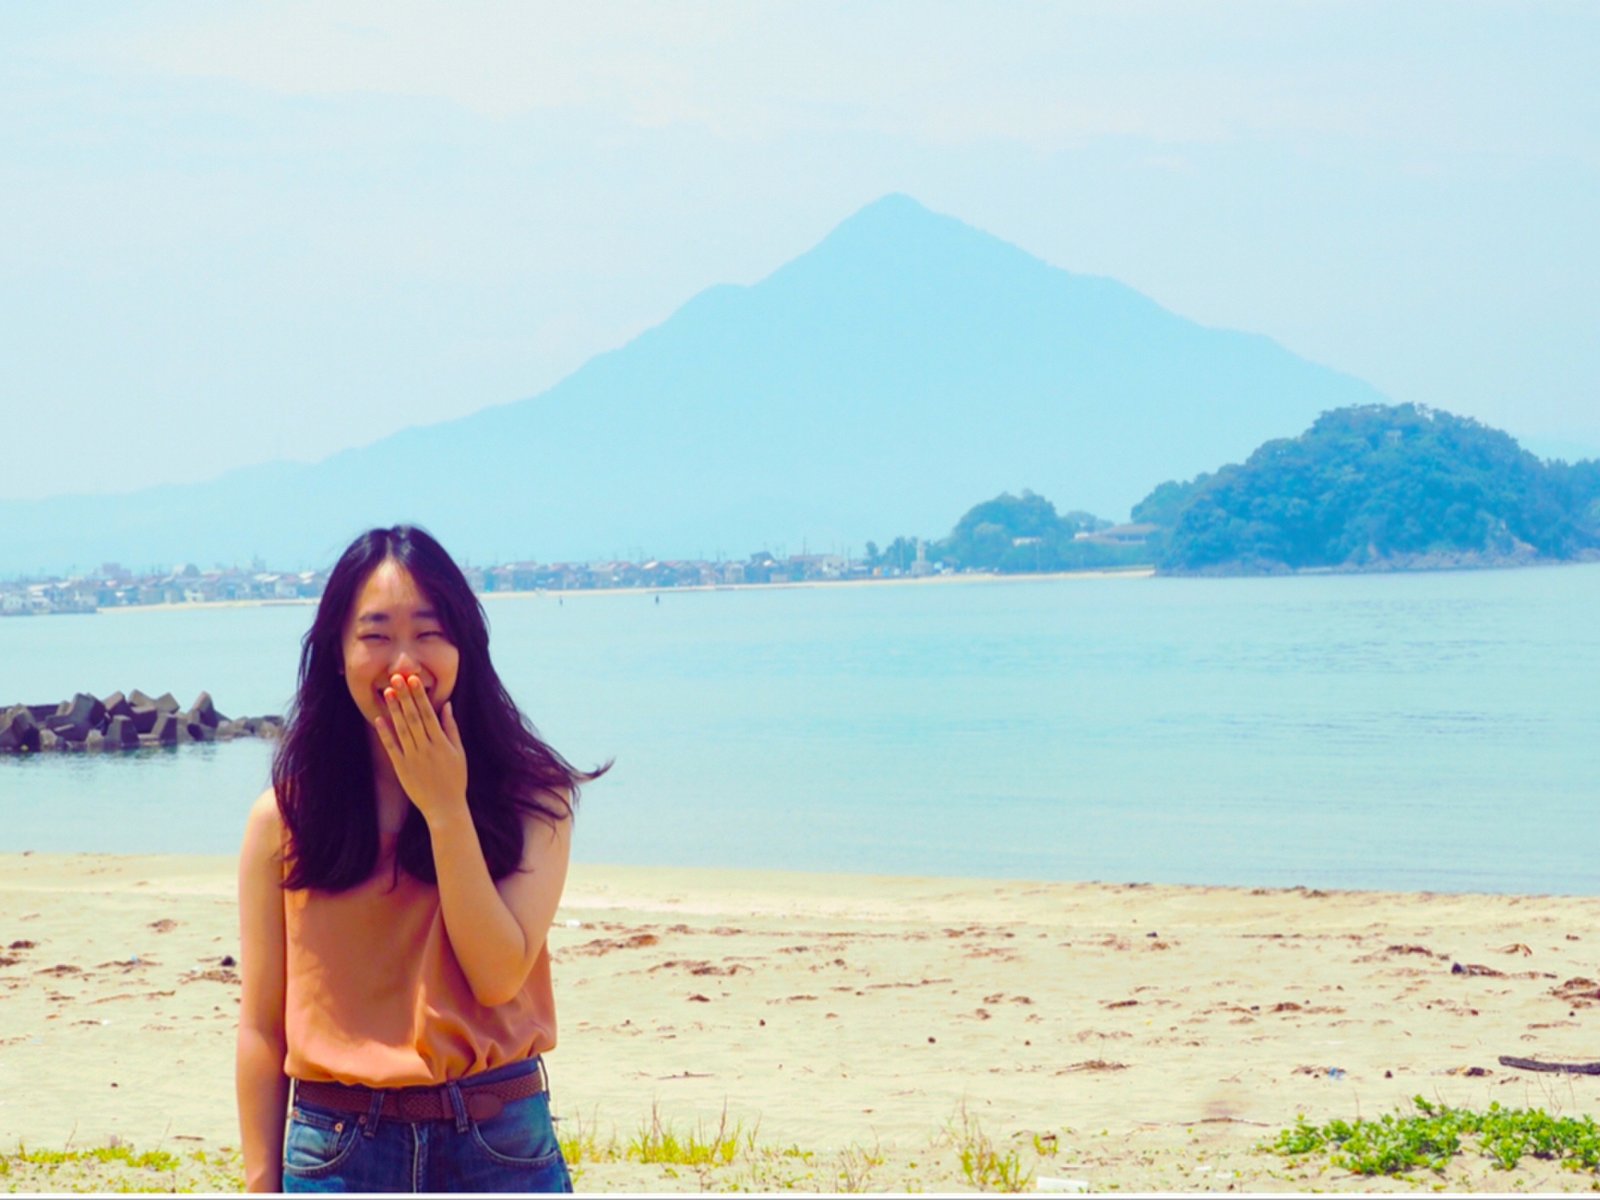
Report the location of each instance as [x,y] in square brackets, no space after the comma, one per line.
[1568,1068]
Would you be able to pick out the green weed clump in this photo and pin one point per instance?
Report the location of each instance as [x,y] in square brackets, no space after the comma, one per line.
[150,1160]
[583,1145]
[1434,1134]
[854,1168]
[119,1168]
[983,1165]
[697,1147]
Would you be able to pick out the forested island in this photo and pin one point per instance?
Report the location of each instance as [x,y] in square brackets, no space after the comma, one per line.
[1366,488]
[1373,487]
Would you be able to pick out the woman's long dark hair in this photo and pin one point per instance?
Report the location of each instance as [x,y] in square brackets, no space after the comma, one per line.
[322,770]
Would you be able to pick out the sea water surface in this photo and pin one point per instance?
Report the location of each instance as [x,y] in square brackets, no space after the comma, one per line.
[1415,731]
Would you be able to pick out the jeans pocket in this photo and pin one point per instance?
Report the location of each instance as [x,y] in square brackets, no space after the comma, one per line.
[520,1134]
[318,1142]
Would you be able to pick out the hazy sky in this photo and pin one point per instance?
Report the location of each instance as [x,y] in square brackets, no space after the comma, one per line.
[236,232]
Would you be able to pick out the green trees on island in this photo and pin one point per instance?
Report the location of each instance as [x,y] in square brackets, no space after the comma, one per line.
[1380,486]
[899,556]
[1372,487]
[1015,534]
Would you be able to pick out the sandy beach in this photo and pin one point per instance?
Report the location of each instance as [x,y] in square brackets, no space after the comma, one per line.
[861,1032]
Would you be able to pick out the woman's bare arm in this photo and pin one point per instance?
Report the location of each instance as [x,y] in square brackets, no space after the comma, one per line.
[263,1088]
[497,930]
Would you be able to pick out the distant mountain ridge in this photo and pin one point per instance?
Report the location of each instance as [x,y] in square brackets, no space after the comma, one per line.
[877,382]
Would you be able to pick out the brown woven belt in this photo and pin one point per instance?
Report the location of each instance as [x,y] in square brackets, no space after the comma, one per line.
[482,1100]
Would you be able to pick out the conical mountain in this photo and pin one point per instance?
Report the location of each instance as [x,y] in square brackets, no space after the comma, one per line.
[904,368]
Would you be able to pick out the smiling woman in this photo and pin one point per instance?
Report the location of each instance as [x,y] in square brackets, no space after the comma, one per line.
[396,885]
[396,633]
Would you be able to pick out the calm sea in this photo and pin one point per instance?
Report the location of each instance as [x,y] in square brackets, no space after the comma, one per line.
[1431,731]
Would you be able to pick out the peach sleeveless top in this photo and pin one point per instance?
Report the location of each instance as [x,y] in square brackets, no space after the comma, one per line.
[374,994]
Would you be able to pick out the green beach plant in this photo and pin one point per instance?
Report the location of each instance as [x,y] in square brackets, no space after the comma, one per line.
[1433,1135]
[150,1160]
[983,1165]
[855,1166]
[658,1142]
[583,1145]
[119,1167]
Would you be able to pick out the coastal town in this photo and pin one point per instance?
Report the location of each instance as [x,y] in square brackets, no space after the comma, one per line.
[113,586]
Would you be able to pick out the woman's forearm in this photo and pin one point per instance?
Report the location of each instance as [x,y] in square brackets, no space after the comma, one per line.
[484,933]
[497,930]
[263,1102]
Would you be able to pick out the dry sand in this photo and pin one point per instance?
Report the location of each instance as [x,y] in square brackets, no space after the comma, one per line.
[1130,1037]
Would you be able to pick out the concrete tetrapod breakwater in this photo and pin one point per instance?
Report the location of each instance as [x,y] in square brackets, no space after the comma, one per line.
[122,722]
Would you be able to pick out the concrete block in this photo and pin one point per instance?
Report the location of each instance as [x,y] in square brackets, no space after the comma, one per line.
[74,718]
[121,735]
[18,731]
[204,711]
[67,729]
[166,702]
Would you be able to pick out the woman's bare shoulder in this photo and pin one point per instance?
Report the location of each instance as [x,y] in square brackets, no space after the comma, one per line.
[265,807]
[544,823]
[264,826]
[548,806]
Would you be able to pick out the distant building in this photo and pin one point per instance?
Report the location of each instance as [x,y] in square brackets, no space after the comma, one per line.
[920,566]
[1136,534]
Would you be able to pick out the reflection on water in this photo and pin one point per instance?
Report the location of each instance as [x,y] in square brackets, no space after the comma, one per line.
[177,800]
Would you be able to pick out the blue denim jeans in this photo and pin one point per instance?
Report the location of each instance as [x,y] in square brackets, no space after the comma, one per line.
[513,1151]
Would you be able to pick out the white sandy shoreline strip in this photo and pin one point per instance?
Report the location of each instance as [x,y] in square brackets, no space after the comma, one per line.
[546,593]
